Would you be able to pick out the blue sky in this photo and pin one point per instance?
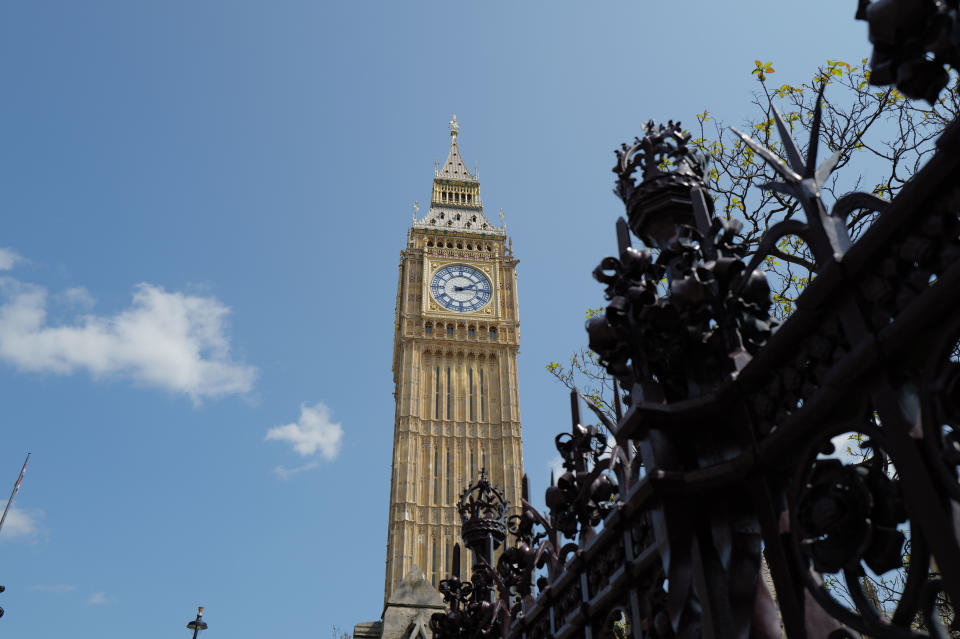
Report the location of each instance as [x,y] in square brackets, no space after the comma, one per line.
[202,206]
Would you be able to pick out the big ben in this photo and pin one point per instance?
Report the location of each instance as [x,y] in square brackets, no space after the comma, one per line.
[454,370]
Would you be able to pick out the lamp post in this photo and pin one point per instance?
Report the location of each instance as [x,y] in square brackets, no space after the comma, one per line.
[197,624]
[475,609]
[483,514]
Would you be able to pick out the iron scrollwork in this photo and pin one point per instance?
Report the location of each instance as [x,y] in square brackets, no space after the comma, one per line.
[713,316]
[832,439]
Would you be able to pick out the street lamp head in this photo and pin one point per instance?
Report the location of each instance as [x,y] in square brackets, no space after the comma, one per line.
[197,624]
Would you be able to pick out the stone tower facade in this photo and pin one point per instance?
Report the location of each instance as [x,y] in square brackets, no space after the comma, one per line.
[454,370]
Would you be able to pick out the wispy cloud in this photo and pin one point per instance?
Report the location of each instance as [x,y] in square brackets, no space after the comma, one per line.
[286,473]
[167,340]
[53,588]
[78,297]
[8,257]
[314,431]
[99,599]
[22,525]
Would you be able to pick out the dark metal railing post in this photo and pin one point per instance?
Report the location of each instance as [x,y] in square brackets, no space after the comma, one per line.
[480,606]
[483,515]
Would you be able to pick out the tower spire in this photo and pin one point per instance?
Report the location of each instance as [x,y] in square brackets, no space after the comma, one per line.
[455,203]
[455,168]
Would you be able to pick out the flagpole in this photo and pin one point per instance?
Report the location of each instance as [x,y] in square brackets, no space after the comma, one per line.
[13,492]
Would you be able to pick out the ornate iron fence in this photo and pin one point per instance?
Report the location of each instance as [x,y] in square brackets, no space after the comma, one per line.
[725,446]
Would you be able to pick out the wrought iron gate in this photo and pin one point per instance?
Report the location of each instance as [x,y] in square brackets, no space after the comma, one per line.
[726,439]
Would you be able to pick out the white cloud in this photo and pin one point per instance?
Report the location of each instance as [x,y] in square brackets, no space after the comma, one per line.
[8,258]
[53,588]
[171,341]
[99,599]
[313,431]
[286,473]
[22,524]
[78,296]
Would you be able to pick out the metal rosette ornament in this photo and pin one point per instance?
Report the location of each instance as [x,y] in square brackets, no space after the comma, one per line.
[938,402]
[847,535]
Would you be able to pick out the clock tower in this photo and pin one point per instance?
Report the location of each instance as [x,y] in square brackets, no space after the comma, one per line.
[454,371]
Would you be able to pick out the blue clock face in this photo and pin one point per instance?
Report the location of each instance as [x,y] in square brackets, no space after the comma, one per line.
[461,288]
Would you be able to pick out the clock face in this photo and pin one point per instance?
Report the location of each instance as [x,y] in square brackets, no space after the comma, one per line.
[461,288]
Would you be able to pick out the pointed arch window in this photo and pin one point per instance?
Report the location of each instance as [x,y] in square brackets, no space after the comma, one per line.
[470,388]
[473,466]
[436,395]
[483,398]
[435,567]
[449,395]
[436,476]
[449,479]
[446,555]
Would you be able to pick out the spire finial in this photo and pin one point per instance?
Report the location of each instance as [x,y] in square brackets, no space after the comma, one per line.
[454,127]
[501,216]
[416,209]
